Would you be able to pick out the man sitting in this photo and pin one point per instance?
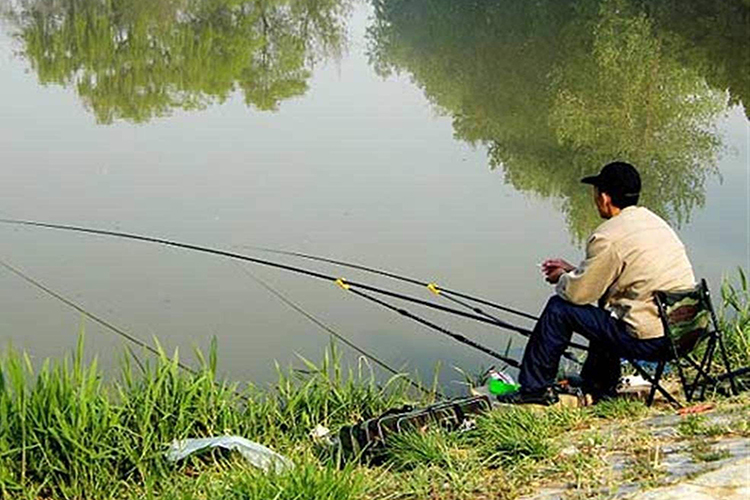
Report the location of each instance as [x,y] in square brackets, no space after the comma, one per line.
[628,257]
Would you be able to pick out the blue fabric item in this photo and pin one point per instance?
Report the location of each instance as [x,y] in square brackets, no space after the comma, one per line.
[608,339]
[255,453]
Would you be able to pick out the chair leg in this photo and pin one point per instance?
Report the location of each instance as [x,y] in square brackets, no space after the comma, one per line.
[708,370]
[716,379]
[703,369]
[693,386]
[683,378]
[655,383]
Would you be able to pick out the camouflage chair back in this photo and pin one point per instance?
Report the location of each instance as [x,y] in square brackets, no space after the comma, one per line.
[689,321]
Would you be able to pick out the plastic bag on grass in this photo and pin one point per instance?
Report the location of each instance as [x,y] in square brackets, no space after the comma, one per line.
[255,453]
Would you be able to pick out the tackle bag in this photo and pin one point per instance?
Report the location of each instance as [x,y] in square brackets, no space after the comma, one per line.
[369,437]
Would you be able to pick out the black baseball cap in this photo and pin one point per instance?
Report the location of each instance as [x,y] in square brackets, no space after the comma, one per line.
[617,178]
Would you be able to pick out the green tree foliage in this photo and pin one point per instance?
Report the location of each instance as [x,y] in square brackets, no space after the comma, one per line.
[555,89]
[137,59]
[712,37]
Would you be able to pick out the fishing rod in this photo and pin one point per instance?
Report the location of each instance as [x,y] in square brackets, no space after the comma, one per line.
[267,286]
[446,293]
[306,272]
[432,287]
[276,265]
[456,336]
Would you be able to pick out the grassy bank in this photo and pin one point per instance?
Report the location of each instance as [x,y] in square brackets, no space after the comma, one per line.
[734,312]
[66,433]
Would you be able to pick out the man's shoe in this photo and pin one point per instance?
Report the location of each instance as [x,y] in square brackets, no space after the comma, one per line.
[545,397]
[598,392]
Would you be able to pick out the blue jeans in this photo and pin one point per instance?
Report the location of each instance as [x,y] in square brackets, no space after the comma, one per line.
[609,341]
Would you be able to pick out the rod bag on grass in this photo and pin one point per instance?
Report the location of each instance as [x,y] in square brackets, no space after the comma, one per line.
[369,437]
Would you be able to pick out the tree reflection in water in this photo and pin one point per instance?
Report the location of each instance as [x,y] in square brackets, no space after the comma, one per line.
[137,59]
[556,88]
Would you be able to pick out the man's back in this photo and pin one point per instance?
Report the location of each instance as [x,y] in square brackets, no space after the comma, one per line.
[628,258]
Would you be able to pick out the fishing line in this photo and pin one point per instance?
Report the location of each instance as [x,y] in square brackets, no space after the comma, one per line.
[277,265]
[334,333]
[140,343]
[106,324]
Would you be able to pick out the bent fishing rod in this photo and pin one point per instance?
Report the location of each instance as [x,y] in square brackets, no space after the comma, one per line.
[344,285]
[135,340]
[269,263]
[276,265]
[446,293]
[432,287]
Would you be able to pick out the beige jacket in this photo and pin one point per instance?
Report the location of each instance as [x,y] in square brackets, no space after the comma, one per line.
[628,258]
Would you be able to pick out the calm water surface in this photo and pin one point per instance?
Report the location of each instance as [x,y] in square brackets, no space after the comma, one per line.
[441,139]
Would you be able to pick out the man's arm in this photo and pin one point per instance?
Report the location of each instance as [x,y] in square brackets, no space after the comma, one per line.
[588,282]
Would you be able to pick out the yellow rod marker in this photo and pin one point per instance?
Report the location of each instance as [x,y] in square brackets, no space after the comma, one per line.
[340,282]
[433,288]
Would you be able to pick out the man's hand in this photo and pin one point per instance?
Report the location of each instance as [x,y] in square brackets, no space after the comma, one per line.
[554,268]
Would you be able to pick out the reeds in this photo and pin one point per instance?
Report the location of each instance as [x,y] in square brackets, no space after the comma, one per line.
[64,433]
[735,318]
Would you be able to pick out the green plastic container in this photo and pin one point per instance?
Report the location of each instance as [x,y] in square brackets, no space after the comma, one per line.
[498,387]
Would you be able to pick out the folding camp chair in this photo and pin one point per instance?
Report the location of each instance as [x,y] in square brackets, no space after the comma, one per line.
[689,320]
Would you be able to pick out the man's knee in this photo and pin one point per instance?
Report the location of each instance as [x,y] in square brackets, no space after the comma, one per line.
[556,305]
[554,323]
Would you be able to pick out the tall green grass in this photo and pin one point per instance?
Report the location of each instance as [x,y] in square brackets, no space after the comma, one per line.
[413,449]
[518,433]
[735,318]
[308,481]
[65,433]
